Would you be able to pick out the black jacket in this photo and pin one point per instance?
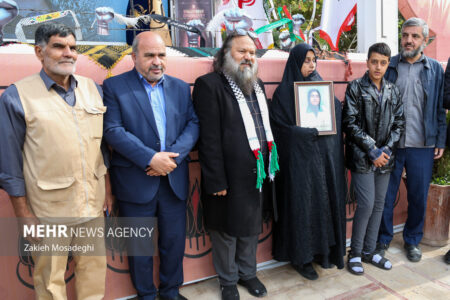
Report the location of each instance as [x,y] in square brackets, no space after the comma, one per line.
[226,160]
[366,123]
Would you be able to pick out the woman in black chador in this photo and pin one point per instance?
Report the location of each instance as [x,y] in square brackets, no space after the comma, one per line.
[311,184]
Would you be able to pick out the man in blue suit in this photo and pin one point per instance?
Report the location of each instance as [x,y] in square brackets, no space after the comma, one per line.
[151,126]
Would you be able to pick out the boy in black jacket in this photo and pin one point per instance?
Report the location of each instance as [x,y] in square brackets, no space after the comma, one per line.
[373,122]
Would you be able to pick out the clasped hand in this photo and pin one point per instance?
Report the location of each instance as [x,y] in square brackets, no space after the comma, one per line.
[221,193]
[162,164]
[382,160]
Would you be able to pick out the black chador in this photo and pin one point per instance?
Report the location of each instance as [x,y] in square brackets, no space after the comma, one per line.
[311,186]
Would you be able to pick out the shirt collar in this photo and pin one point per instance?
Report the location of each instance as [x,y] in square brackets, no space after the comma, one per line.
[373,84]
[160,82]
[366,81]
[49,83]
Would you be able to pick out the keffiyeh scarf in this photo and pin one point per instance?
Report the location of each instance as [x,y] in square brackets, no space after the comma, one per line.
[251,131]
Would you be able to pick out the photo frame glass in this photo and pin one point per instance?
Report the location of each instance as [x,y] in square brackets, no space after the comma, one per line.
[314,106]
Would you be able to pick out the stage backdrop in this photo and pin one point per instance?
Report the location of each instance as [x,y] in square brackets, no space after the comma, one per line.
[16,272]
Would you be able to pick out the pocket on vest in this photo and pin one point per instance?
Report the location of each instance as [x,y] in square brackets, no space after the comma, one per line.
[56,189]
[56,183]
[96,120]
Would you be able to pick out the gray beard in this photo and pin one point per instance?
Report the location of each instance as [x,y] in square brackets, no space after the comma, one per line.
[412,53]
[244,79]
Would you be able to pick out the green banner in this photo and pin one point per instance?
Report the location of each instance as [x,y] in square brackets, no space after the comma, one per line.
[281,22]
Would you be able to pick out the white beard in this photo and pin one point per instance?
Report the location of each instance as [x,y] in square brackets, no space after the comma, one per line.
[245,78]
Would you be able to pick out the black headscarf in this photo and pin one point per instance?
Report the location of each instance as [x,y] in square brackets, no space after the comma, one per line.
[283,107]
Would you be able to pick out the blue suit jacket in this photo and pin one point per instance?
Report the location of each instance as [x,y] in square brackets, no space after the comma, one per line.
[130,129]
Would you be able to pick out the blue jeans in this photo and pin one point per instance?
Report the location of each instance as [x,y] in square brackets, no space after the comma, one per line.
[418,163]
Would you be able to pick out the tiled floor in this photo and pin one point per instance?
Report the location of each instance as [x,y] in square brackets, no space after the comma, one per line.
[427,279]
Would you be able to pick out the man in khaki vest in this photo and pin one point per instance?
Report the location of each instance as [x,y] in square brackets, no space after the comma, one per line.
[51,163]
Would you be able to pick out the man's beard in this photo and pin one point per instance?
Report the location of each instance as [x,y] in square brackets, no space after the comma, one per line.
[413,53]
[59,68]
[154,78]
[245,78]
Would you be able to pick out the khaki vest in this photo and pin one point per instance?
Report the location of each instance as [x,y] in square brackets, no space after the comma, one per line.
[62,161]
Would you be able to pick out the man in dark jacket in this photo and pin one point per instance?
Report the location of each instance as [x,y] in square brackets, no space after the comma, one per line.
[420,80]
[236,149]
[151,127]
[373,122]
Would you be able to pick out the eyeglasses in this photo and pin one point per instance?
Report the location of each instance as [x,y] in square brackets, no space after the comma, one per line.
[242,32]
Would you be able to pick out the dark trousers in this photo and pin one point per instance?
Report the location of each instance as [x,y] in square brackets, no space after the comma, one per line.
[233,257]
[370,191]
[418,163]
[171,214]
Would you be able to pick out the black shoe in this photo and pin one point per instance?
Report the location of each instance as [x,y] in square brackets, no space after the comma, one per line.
[352,265]
[413,253]
[447,257]
[177,297]
[254,286]
[307,271]
[229,292]
[381,248]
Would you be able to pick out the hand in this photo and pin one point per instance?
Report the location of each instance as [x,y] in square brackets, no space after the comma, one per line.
[104,16]
[285,41]
[382,160]
[163,162]
[29,220]
[297,20]
[221,193]
[24,217]
[438,152]
[109,198]
[151,172]
[108,205]
[193,37]
[236,19]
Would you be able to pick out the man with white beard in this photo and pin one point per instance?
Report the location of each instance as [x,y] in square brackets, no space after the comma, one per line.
[236,150]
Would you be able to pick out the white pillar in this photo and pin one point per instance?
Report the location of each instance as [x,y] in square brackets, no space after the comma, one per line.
[377,21]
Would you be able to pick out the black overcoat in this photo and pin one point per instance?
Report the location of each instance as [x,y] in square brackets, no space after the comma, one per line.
[226,160]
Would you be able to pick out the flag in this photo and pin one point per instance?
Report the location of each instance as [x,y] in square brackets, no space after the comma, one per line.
[337,16]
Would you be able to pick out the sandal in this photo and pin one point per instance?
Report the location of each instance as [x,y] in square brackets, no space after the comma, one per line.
[368,258]
[351,265]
